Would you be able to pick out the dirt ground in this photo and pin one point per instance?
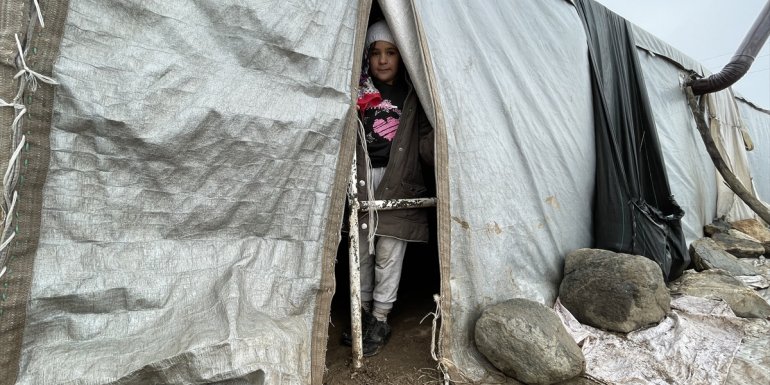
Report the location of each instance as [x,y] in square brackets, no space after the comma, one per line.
[406,359]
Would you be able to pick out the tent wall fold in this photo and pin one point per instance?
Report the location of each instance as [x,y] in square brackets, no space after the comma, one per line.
[691,173]
[666,71]
[513,135]
[634,210]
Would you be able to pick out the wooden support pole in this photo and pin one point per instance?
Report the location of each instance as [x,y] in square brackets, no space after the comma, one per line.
[732,181]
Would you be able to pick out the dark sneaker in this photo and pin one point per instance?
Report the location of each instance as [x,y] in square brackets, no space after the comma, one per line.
[377,338]
[367,321]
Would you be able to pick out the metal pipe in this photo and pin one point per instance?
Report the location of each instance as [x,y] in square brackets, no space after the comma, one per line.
[741,62]
[396,204]
[354,265]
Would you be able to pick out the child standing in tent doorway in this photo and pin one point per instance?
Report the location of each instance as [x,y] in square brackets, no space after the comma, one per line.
[398,142]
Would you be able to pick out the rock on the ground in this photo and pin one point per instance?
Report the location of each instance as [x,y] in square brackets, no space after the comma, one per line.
[718,226]
[527,341]
[717,284]
[755,229]
[763,265]
[707,254]
[613,291]
[739,247]
[742,235]
[581,380]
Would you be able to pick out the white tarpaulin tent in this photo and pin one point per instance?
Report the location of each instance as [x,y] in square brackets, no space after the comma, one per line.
[759,128]
[182,187]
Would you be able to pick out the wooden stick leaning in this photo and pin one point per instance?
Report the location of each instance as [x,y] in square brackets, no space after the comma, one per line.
[732,181]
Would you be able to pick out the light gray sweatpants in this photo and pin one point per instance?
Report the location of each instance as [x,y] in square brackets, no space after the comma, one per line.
[381,272]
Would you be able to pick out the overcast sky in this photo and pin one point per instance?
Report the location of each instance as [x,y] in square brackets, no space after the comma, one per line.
[708,31]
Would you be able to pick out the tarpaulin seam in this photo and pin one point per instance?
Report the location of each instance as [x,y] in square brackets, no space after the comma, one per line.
[12,172]
[12,20]
[11,177]
[28,166]
[443,217]
[321,318]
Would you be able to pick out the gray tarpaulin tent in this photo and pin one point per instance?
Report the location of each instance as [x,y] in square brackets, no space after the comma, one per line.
[180,191]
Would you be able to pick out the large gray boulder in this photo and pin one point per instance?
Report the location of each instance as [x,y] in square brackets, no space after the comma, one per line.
[707,254]
[717,284]
[755,229]
[527,341]
[613,291]
[738,246]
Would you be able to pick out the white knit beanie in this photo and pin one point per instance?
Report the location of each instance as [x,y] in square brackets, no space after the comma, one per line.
[379,31]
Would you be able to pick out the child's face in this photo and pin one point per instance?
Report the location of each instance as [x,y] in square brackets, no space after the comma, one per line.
[383,61]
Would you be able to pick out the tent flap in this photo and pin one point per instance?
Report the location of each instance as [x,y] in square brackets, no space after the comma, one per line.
[520,156]
[185,213]
[634,211]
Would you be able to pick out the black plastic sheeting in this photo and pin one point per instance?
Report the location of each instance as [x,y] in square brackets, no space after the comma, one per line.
[634,211]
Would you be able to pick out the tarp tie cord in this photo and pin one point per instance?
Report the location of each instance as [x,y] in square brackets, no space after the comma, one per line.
[8,178]
[32,76]
[39,14]
[22,109]
[11,174]
[441,367]
[444,364]
[9,182]
[373,216]
[436,315]
[7,241]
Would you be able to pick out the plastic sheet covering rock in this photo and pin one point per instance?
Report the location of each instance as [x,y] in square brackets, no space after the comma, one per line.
[751,364]
[694,344]
[193,156]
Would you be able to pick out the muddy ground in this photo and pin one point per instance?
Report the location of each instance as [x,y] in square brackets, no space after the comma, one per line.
[406,359]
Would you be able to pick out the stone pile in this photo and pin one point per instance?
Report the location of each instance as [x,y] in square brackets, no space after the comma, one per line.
[622,293]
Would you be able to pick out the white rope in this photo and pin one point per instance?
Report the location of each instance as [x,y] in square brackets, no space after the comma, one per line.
[31,75]
[9,180]
[28,76]
[12,161]
[436,315]
[21,110]
[8,214]
[444,364]
[39,14]
[8,220]
[15,105]
[7,241]
[11,168]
